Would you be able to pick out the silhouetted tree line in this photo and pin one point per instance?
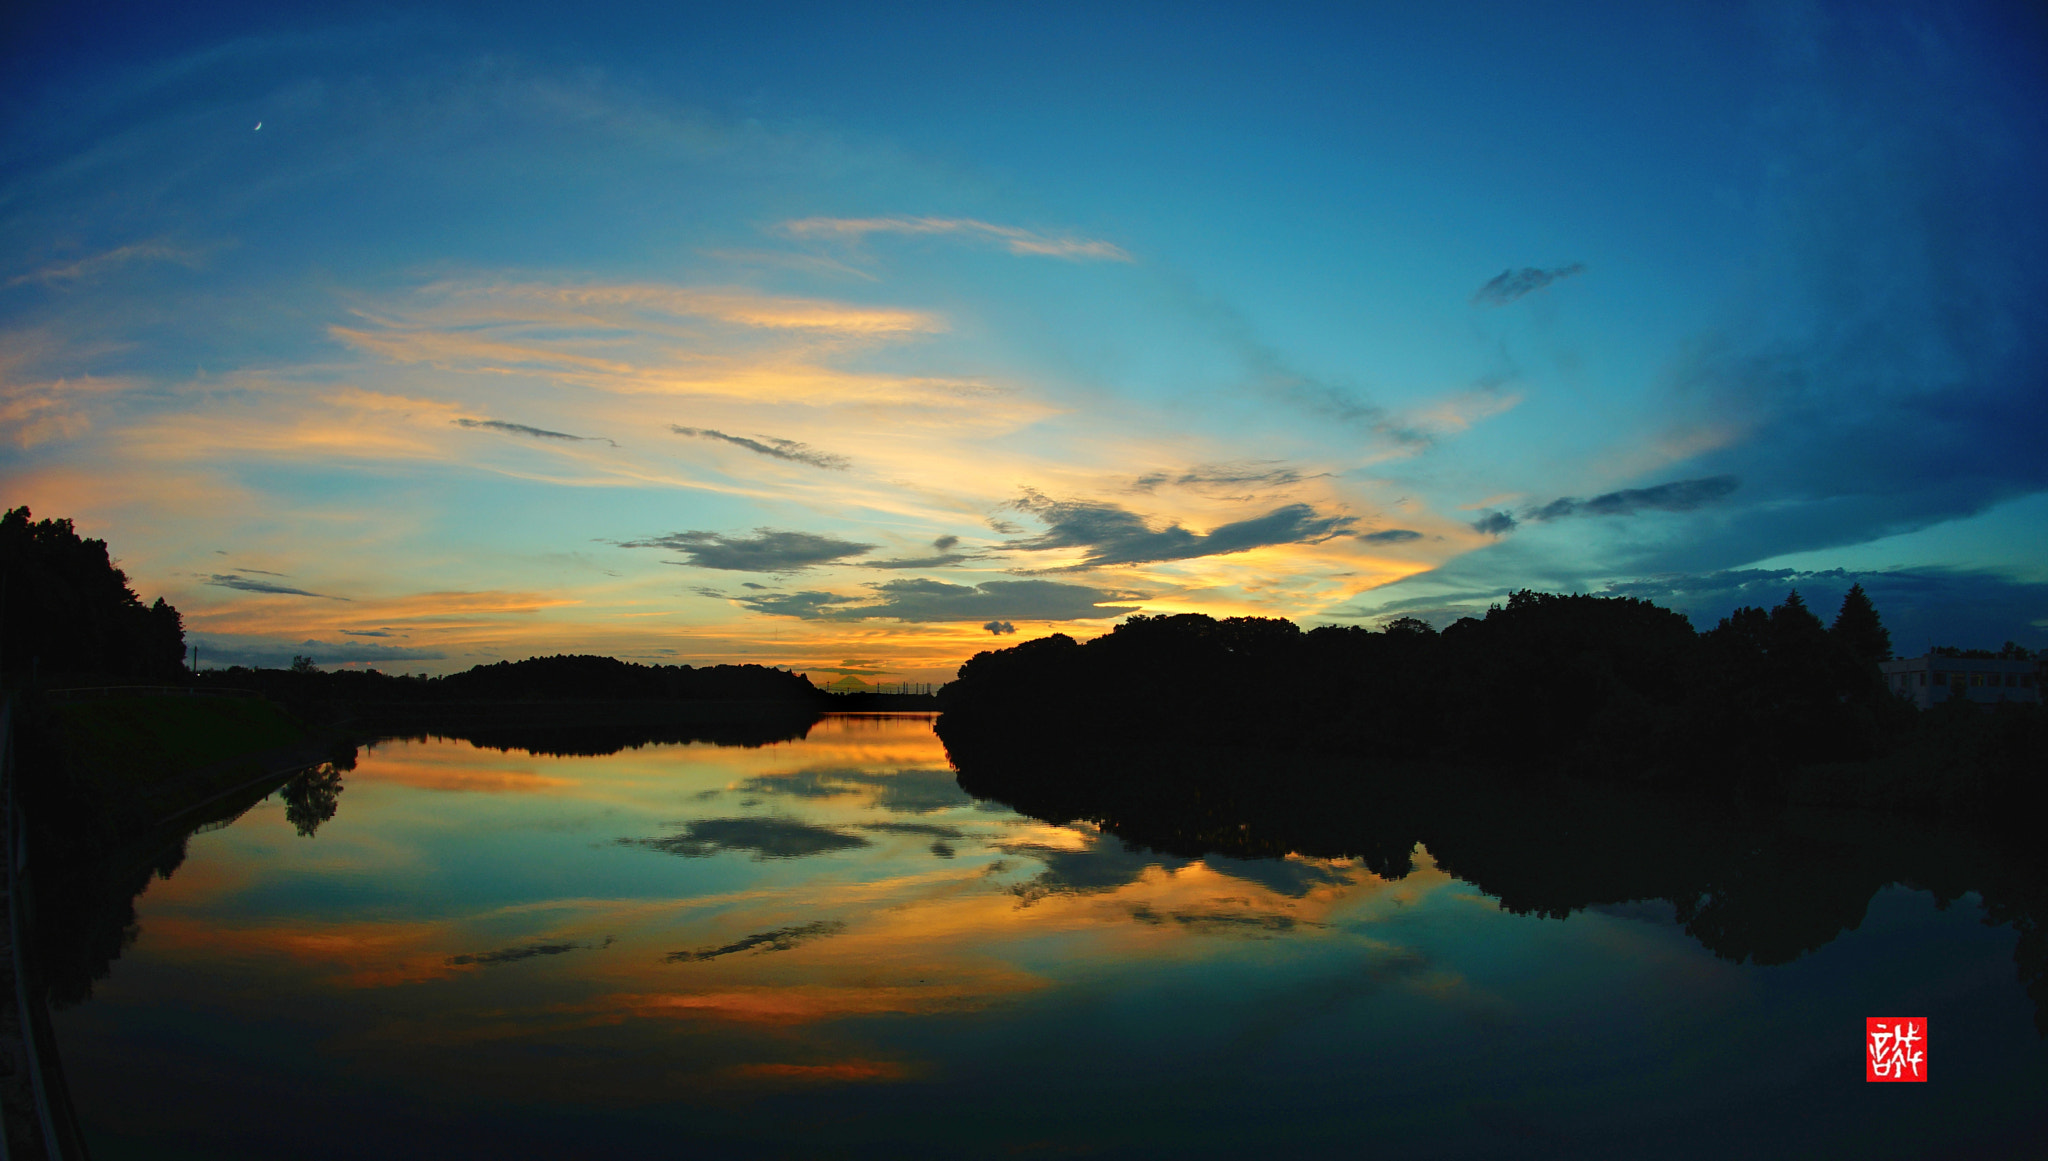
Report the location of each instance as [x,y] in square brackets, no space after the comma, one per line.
[559,678]
[67,613]
[1609,687]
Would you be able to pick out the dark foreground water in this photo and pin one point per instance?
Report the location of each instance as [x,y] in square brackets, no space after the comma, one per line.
[825,948]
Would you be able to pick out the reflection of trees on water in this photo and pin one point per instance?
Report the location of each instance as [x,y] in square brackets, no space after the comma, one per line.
[597,739]
[1762,885]
[86,882]
[88,875]
[88,878]
[311,798]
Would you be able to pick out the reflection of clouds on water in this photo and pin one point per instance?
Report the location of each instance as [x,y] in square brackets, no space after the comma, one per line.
[913,791]
[1292,877]
[445,769]
[763,942]
[1216,921]
[914,914]
[925,828]
[515,954]
[1104,864]
[768,838]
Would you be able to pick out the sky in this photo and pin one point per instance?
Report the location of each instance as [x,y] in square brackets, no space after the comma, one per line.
[859,338]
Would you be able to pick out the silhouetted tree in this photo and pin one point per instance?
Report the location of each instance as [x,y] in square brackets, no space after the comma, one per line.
[1858,629]
[68,610]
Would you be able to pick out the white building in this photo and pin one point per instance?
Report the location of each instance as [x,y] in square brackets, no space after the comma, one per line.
[1931,678]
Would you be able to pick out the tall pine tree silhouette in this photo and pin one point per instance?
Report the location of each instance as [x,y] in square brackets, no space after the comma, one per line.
[1858,630]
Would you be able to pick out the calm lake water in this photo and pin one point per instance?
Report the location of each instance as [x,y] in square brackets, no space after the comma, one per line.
[824,947]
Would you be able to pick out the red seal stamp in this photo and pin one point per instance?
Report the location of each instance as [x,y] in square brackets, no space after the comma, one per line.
[1895,1048]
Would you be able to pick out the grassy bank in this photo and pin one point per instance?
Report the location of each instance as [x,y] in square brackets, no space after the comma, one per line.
[135,761]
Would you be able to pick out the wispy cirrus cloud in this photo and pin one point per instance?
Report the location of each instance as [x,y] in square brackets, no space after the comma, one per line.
[94,265]
[1015,238]
[1509,285]
[768,445]
[33,413]
[1109,534]
[525,430]
[653,299]
[635,339]
[768,550]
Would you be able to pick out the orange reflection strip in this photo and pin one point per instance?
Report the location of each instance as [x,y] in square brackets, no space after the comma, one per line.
[798,1004]
[840,1071]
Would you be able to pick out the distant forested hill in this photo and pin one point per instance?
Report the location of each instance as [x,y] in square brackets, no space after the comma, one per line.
[559,678]
[1598,686]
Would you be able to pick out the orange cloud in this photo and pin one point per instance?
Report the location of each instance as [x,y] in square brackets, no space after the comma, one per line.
[39,412]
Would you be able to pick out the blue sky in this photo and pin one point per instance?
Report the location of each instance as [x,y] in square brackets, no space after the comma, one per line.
[850,338]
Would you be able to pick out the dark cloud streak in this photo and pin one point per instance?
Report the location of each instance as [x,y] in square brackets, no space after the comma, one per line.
[781,449]
[925,600]
[525,430]
[511,954]
[1676,496]
[768,838]
[244,584]
[1112,535]
[1509,285]
[766,551]
[1223,478]
[761,943]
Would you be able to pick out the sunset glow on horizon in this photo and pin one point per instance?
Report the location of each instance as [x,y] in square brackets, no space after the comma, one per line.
[856,340]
